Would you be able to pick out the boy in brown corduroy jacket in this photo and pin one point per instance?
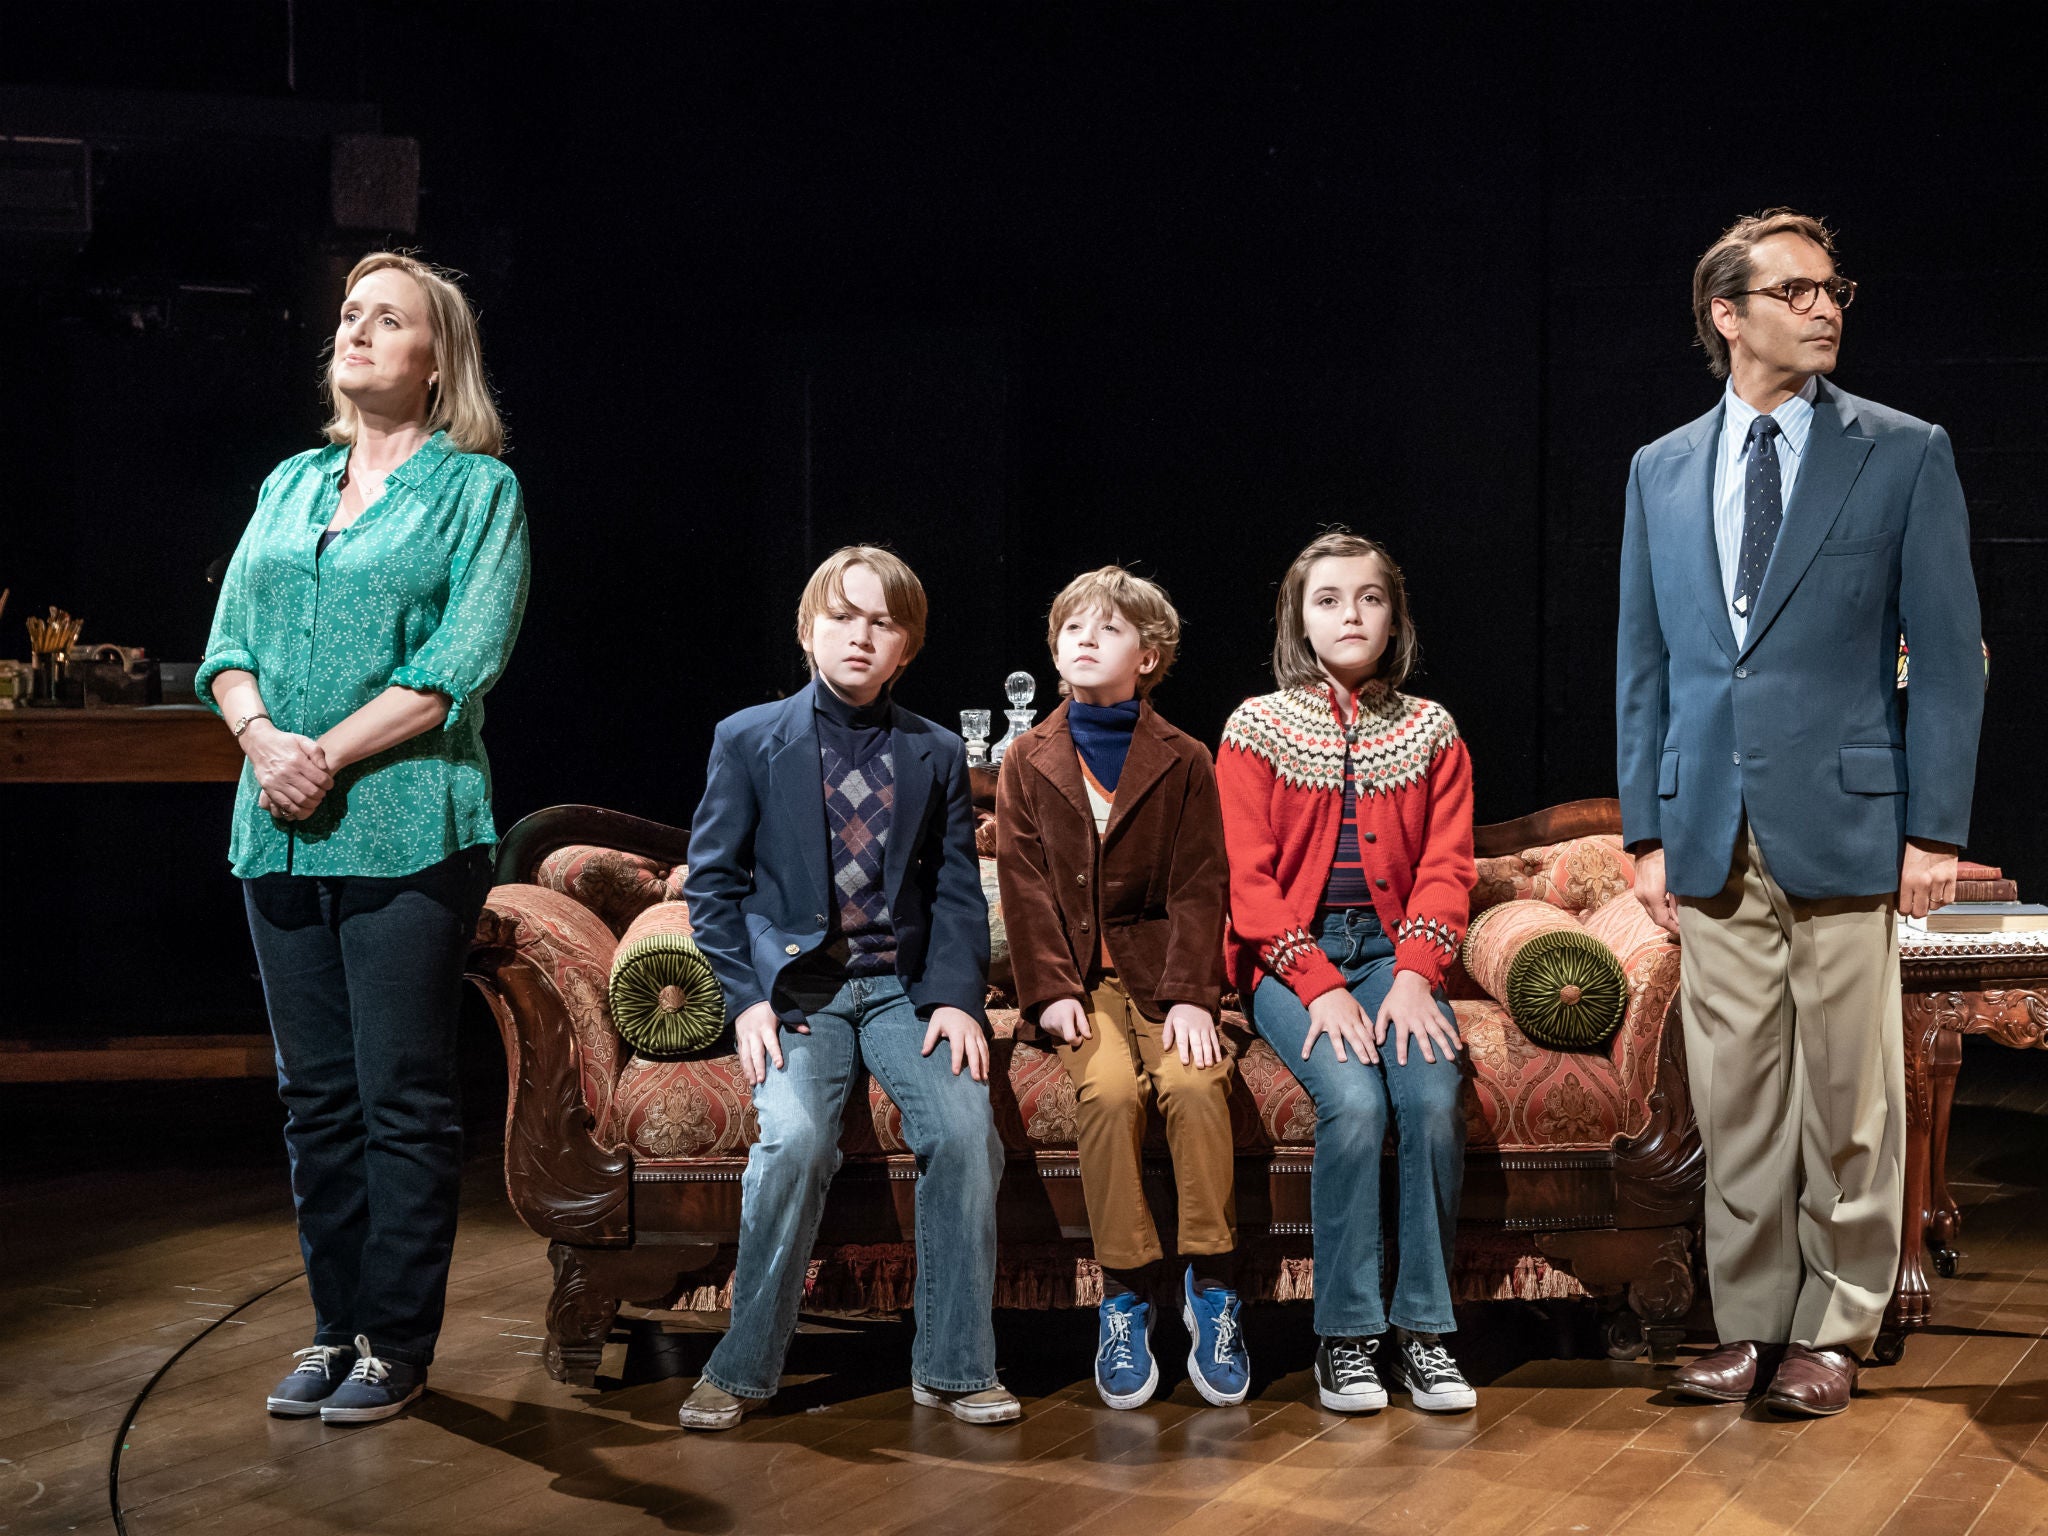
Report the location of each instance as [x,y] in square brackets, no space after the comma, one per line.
[1110,859]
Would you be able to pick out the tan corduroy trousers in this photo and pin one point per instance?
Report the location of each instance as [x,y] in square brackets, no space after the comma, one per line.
[1796,1051]
[1119,1073]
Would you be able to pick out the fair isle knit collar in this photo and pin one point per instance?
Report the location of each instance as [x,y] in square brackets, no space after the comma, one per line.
[1393,738]
[1371,700]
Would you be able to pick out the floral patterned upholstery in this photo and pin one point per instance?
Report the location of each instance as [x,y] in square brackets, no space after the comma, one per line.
[1519,1097]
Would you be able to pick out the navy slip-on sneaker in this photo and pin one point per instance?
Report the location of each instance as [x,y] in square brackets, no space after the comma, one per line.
[375,1389]
[1126,1375]
[1218,1363]
[320,1370]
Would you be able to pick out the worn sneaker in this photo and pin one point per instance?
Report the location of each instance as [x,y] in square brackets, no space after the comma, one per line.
[375,1389]
[320,1370]
[991,1405]
[1346,1381]
[1422,1365]
[711,1407]
[1218,1363]
[1126,1375]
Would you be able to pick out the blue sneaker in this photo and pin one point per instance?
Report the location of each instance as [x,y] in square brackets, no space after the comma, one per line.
[375,1389]
[320,1370]
[1125,1373]
[1217,1363]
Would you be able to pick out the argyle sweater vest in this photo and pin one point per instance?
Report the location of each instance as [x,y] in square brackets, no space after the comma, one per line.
[859,803]
[1280,772]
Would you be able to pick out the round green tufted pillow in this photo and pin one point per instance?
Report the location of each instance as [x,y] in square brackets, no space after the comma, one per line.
[664,1000]
[1564,988]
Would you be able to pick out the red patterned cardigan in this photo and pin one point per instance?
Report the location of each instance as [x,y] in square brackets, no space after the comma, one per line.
[1281,774]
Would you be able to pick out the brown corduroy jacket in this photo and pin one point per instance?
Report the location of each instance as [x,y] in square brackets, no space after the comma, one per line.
[1155,884]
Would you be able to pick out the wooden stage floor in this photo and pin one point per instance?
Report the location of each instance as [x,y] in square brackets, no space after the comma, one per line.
[104,1273]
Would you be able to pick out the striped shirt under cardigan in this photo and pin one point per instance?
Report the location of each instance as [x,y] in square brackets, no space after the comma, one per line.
[1280,772]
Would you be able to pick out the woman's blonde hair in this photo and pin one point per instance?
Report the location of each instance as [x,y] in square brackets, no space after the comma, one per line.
[901,590]
[1295,664]
[1142,603]
[459,403]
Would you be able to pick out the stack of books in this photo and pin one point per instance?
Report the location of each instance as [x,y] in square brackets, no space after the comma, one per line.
[1986,902]
[1983,882]
[1983,917]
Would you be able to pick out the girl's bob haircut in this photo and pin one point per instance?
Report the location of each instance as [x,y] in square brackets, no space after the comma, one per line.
[1295,664]
[460,402]
[901,589]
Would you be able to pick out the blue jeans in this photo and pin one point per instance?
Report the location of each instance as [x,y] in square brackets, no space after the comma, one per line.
[362,977]
[1352,1100]
[949,1126]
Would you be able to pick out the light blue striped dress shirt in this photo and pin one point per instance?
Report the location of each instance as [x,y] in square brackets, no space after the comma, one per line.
[1795,421]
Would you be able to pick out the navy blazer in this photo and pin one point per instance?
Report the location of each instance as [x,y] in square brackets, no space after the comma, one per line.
[760,878]
[1799,727]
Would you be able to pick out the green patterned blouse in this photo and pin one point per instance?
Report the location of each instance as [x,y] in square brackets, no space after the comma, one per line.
[424,590]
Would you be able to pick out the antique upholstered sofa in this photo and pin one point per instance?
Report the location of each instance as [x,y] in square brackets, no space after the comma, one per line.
[1583,1169]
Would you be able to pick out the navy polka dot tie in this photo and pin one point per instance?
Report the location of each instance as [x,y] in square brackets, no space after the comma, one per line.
[1763,509]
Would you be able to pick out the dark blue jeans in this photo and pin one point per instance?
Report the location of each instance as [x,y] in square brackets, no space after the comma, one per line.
[1353,1099]
[363,980]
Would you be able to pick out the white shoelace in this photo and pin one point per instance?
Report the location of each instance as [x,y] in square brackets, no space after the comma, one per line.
[319,1360]
[368,1367]
[1433,1361]
[1226,1334]
[1118,1345]
[1351,1360]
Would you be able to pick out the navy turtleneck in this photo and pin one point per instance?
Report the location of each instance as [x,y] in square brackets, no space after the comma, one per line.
[1102,735]
[858,731]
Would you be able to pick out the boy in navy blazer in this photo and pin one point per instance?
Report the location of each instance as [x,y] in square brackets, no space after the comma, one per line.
[834,887]
[1780,810]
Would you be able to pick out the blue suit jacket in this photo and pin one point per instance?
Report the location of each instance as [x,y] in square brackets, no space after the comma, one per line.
[760,878]
[1799,726]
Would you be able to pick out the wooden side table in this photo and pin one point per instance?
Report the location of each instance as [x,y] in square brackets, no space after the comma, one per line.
[1955,985]
[154,744]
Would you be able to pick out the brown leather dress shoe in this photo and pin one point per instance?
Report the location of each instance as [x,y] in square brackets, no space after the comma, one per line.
[1730,1374]
[1813,1382]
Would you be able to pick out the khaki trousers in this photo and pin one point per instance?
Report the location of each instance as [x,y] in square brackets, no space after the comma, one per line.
[1118,1074]
[1796,1050]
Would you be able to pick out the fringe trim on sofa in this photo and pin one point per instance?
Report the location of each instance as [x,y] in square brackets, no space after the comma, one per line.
[882,1277]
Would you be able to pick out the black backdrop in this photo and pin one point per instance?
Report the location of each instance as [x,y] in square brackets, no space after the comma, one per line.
[1019,290]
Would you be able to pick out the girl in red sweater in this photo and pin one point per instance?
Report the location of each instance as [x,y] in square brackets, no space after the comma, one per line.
[1347,812]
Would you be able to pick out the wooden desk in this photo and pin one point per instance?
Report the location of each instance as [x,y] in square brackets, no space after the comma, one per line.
[1955,985]
[158,744]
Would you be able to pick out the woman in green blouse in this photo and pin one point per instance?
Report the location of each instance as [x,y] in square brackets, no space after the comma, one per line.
[371,603]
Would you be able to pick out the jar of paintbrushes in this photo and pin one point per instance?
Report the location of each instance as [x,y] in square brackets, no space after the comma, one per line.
[49,643]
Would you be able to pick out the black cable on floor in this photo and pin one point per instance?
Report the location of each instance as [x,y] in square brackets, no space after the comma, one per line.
[128,1419]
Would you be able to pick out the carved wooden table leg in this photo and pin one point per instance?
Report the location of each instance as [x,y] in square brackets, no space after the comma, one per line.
[1944,1216]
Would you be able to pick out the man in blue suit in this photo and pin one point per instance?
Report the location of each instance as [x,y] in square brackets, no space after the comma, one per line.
[1774,552]
[833,886]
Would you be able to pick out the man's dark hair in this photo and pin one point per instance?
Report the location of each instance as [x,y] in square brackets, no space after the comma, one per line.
[1729,267]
